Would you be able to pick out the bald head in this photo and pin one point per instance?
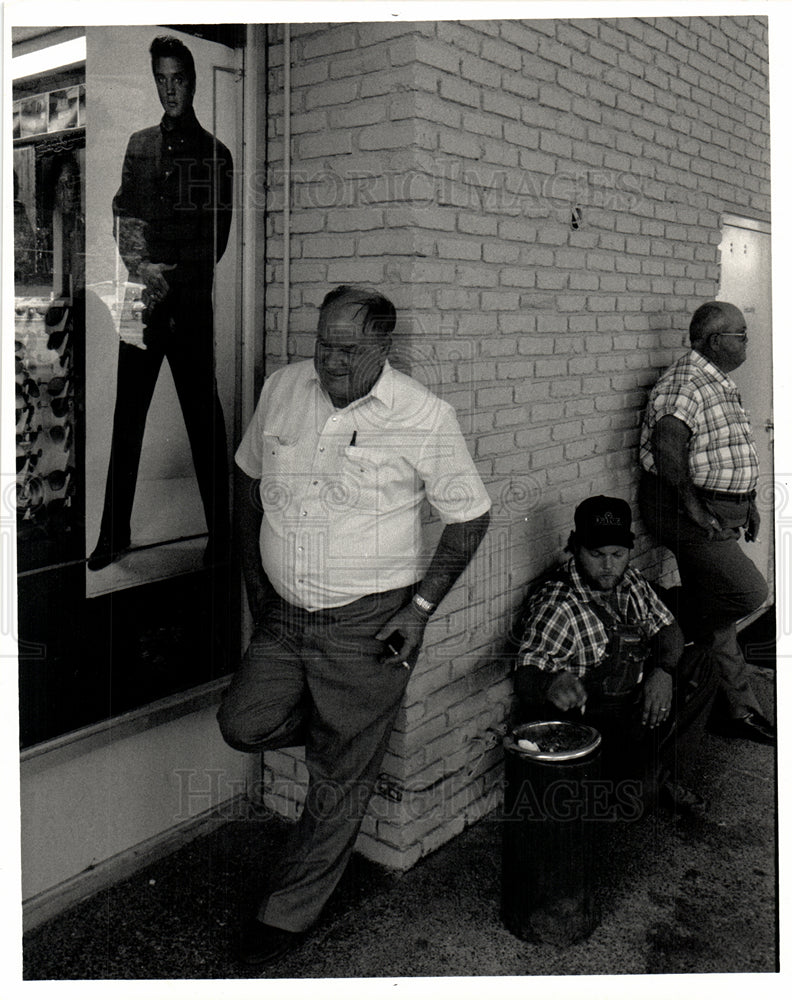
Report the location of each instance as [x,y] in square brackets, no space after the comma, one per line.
[713,317]
[352,342]
[718,331]
[373,312]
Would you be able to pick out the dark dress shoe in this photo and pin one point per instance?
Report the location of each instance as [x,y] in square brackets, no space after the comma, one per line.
[752,726]
[262,943]
[683,801]
[106,552]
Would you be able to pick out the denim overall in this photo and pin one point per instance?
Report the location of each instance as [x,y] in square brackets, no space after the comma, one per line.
[615,698]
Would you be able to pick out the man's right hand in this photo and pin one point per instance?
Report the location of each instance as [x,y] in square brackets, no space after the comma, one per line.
[257,602]
[709,523]
[670,448]
[566,691]
[704,519]
[152,277]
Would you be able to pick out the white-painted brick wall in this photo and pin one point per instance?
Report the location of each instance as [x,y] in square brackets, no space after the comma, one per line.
[441,162]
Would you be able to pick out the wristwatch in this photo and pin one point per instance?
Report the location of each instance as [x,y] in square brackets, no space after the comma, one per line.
[424,606]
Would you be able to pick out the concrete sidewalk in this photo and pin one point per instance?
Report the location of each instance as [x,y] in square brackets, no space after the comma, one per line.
[679,896]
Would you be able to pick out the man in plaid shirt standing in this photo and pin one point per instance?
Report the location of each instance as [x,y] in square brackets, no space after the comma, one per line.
[697,494]
[599,643]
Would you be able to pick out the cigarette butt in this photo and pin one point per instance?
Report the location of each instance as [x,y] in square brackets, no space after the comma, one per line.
[583,708]
[405,664]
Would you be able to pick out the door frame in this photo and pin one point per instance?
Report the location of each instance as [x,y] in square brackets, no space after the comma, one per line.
[769,570]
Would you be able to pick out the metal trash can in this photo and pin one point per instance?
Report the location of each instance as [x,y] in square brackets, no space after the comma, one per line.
[550,848]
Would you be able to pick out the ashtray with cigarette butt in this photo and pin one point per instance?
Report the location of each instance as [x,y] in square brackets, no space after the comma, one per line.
[556,740]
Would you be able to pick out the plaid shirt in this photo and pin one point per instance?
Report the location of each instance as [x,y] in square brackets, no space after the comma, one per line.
[722,454]
[564,633]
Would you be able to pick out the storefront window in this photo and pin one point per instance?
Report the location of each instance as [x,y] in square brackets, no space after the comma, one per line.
[99,639]
[49,324]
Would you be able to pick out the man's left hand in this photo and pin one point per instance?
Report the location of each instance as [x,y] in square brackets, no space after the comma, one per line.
[658,689]
[410,624]
[752,527]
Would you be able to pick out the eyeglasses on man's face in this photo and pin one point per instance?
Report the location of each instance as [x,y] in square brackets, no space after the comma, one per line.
[741,335]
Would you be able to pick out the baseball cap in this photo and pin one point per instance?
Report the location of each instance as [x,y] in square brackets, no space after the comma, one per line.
[603,521]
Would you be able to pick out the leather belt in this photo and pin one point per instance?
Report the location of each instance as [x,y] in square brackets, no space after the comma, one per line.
[723,495]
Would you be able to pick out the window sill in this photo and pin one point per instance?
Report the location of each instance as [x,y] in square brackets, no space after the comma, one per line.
[98,735]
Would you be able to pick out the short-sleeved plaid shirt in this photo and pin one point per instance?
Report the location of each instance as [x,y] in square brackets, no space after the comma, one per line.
[564,633]
[722,453]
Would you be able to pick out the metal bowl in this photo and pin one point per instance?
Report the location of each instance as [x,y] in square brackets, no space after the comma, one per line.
[557,740]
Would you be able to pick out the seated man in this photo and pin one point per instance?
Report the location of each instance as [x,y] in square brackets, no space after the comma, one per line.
[598,639]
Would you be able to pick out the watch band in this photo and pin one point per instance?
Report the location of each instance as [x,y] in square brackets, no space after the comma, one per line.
[424,606]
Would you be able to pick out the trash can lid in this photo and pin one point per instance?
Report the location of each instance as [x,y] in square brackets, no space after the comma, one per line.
[556,740]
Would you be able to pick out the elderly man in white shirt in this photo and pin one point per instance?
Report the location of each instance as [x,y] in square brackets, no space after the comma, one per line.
[333,472]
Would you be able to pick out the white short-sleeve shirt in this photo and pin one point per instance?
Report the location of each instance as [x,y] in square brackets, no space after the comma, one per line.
[342,489]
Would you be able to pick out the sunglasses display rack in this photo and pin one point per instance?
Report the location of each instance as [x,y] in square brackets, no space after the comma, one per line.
[45,418]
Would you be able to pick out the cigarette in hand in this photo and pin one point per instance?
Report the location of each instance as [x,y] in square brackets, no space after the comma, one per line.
[395,652]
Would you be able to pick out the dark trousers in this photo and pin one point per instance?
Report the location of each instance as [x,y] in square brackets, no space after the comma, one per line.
[180,329]
[720,584]
[633,750]
[315,679]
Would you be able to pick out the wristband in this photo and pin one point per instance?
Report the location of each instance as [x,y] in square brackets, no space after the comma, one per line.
[424,606]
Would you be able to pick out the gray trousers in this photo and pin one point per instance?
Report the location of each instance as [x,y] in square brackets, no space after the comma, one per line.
[314,679]
[720,584]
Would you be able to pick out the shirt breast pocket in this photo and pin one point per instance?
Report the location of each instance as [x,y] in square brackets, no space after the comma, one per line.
[279,476]
[366,481]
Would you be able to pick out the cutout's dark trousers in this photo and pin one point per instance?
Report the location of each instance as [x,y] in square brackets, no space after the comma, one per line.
[180,329]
